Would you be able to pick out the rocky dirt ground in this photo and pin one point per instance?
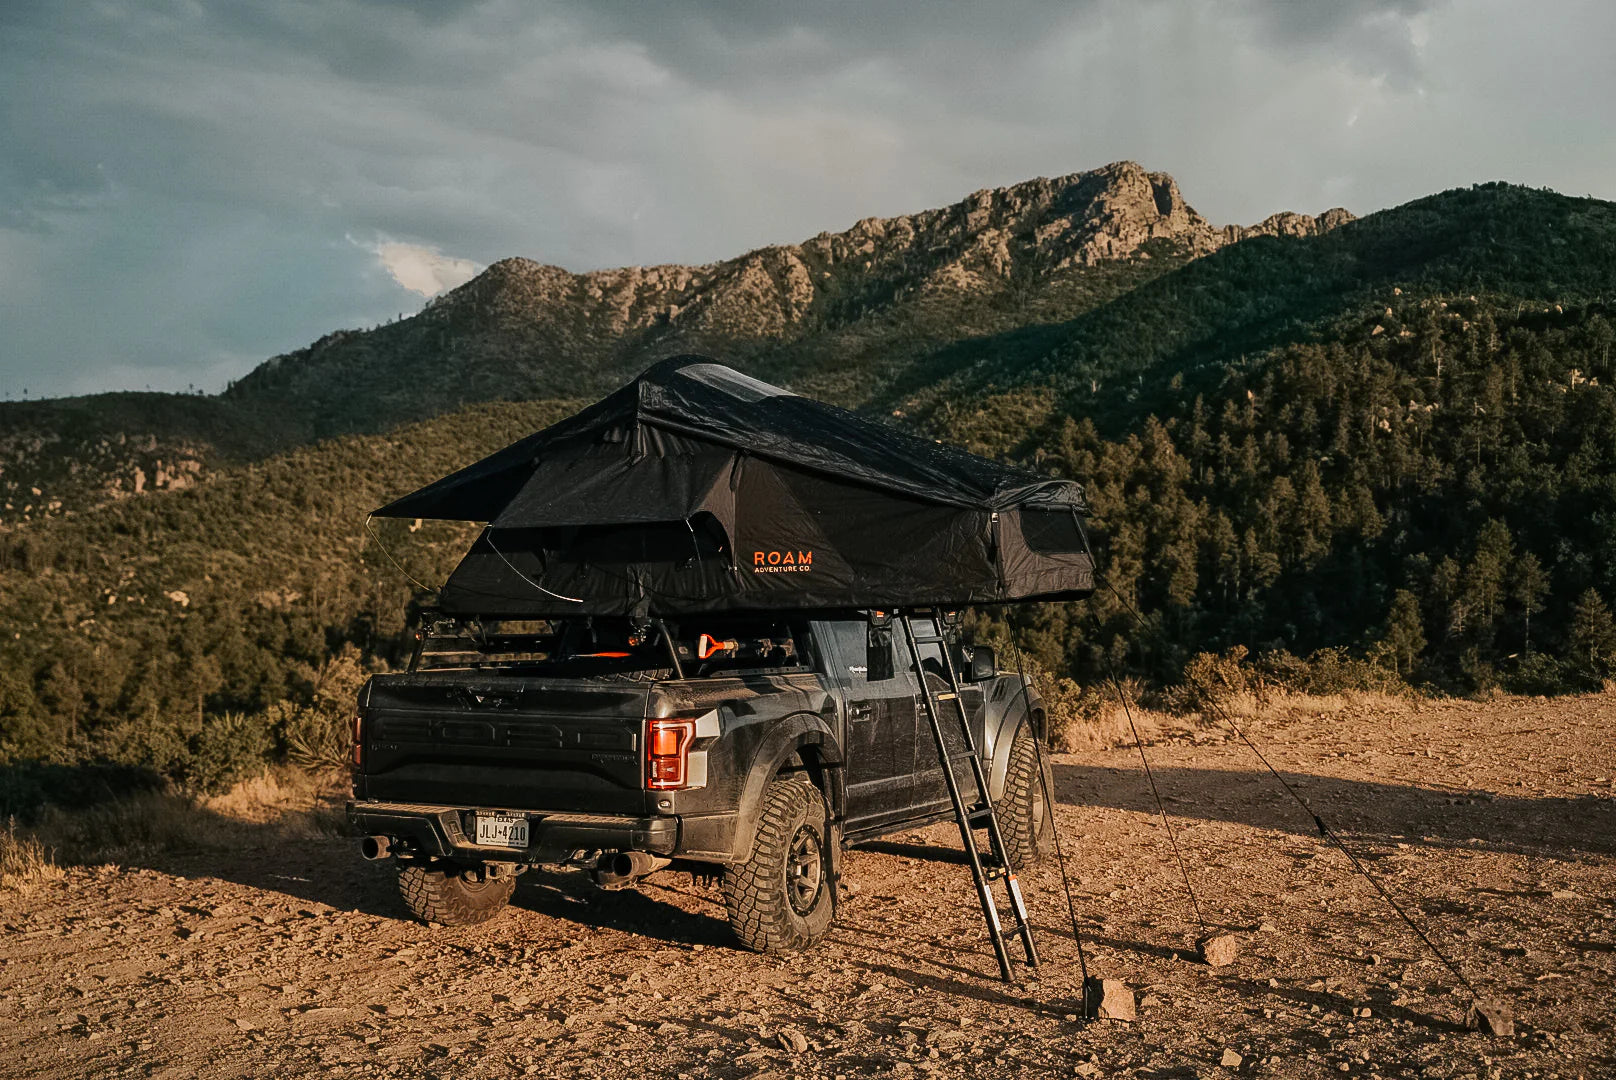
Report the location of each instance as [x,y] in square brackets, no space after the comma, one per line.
[1495,823]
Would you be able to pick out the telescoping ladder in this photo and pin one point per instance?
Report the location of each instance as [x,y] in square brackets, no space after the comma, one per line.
[986,866]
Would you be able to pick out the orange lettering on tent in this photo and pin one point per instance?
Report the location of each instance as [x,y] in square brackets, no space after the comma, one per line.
[788,560]
[774,558]
[757,558]
[806,558]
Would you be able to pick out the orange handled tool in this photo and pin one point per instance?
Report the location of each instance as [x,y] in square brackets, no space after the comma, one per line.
[706,645]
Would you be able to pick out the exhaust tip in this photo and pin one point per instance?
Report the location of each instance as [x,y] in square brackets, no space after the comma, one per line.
[376,847]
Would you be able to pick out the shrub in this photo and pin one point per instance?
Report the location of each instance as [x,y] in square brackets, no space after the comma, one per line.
[318,735]
[1212,681]
[1539,673]
[1328,671]
[230,747]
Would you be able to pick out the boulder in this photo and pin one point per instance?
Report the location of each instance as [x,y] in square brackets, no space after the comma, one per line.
[1108,999]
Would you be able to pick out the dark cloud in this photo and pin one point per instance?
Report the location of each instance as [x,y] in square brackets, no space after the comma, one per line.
[191,185]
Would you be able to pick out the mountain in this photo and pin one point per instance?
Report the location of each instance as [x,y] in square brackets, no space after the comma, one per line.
[1387,445]
[889,288]
[837,316]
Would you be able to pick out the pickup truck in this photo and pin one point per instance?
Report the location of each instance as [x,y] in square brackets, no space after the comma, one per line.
[750,748]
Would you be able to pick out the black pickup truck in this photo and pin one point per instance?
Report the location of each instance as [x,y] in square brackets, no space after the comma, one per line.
[751,748]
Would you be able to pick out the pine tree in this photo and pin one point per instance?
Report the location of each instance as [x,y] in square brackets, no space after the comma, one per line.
[1484,578]
[1405,632]
[1312,517]
[1593,635]
[1529,588]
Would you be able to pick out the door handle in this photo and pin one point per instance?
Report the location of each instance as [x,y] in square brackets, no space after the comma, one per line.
[860,712]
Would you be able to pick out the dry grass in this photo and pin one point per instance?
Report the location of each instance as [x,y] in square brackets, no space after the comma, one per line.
[1107,726]
[303,804]
[1101,725]
[1283,704]
[24,860]
[285,804]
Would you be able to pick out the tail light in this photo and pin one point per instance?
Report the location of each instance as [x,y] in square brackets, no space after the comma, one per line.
[667,752]
[358,753]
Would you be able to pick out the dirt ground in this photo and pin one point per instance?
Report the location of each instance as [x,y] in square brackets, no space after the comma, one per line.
[1495,824]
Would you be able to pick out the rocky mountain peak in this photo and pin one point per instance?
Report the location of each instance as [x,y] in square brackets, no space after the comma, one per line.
[1042,226]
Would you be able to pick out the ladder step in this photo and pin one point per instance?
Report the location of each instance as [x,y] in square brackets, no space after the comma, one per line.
[930,640]
[946,695]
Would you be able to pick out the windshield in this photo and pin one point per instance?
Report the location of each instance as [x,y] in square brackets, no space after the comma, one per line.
[617,647]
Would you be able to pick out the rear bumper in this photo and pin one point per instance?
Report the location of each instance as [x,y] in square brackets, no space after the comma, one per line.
[441,831]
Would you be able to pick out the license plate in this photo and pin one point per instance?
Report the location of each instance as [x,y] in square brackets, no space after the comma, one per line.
[502,830]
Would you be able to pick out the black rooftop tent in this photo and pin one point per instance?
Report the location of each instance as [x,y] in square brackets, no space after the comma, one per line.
[696,488]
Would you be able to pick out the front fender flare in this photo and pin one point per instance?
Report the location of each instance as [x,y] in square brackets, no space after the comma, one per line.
[1006,713]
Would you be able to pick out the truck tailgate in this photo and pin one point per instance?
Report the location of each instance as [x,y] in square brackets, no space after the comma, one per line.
[515,743]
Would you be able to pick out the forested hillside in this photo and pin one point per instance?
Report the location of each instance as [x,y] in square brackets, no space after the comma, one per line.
[1440,499]
[1393,440]
[190,632]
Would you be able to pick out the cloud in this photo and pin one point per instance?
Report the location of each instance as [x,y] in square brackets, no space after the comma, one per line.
[423,270]
[182,176]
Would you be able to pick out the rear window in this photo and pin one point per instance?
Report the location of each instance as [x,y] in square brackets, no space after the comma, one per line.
[616,646]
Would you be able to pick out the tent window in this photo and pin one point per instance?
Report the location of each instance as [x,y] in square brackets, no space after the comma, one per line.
[1050,532]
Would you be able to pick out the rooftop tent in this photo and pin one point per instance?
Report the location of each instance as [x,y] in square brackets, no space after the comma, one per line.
[696,488]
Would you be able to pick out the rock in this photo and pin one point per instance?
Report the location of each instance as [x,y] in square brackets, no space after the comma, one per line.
[246,1025]
[1268,928]
[1563,894]
[1219,950]
[1108,999]
[792,1040]
[1491,1017]
[1230,1060]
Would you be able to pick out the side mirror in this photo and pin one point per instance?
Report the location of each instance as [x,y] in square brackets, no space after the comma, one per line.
[984,665]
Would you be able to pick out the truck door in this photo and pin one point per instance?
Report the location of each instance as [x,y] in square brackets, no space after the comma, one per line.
[878,737]
[930,793]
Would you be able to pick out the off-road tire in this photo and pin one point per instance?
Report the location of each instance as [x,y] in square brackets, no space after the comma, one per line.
[1024,819]
[439,894]
[773,907]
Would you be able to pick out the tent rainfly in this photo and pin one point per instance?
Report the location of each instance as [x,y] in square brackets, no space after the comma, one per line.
[697,489]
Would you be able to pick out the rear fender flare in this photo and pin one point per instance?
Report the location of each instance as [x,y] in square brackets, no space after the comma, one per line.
[787,737]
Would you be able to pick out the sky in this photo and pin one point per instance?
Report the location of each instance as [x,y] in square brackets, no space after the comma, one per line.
[188,187]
